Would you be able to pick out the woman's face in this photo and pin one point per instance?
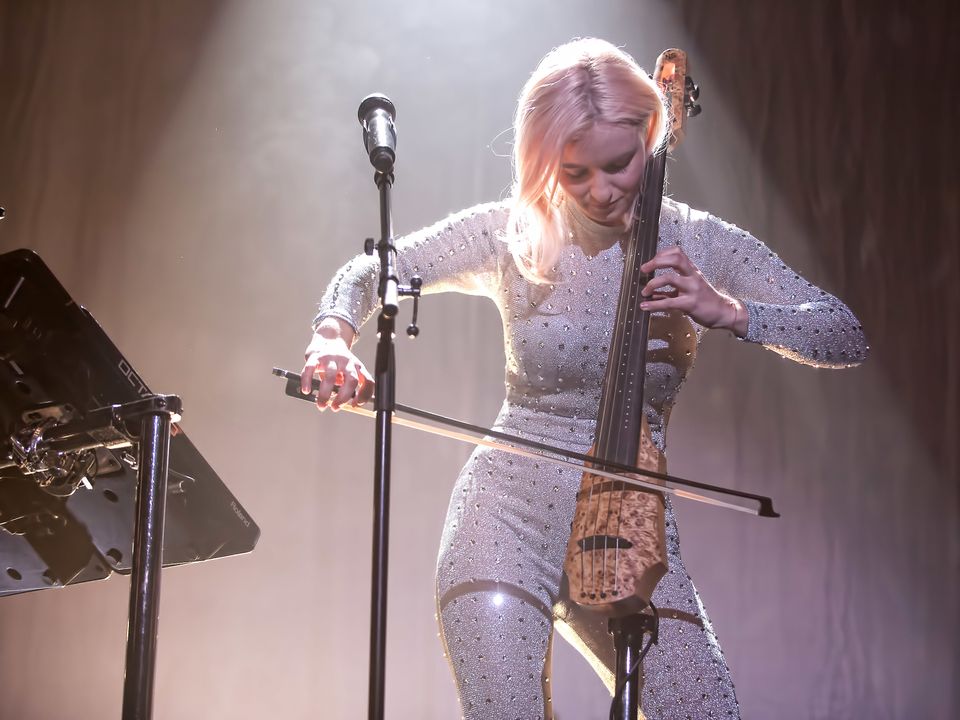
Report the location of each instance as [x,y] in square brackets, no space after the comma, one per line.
[602,170]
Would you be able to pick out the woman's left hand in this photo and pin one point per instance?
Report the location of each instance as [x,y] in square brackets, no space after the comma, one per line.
[691,293]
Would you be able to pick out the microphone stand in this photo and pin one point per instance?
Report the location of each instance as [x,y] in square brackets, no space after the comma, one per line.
[390,291]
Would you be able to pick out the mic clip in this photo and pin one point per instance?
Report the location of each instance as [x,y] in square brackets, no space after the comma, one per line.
[411,290]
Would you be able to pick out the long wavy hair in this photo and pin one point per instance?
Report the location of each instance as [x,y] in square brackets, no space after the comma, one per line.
[576,85]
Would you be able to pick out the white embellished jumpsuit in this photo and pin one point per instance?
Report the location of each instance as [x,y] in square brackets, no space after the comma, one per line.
[500,566]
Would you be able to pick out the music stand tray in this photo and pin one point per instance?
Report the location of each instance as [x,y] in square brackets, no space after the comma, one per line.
[56,359]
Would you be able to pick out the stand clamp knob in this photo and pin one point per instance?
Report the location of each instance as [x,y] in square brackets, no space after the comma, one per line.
[413,290]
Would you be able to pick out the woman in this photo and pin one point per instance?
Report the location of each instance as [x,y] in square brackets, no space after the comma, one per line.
[551,259]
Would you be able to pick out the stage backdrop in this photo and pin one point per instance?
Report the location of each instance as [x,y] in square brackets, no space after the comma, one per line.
[193,173]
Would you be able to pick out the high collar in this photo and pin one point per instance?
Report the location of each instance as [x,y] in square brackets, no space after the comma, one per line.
[591,236]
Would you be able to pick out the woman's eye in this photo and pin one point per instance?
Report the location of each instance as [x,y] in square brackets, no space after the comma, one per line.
[575,175]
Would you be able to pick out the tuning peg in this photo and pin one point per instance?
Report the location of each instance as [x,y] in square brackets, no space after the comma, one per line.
[693,110]
[691,88]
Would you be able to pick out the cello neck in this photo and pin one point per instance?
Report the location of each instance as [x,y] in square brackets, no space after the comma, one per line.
[621,401]
[620,414]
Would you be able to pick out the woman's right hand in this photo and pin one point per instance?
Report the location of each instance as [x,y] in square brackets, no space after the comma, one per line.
[329,359]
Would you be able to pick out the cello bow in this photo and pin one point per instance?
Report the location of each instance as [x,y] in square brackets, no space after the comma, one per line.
[715,495]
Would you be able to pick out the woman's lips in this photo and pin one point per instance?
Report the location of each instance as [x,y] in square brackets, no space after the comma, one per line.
[605,208]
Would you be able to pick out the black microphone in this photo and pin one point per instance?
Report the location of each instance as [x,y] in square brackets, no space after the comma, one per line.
[376,115]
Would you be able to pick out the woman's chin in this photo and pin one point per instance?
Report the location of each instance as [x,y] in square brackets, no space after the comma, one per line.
[613,216]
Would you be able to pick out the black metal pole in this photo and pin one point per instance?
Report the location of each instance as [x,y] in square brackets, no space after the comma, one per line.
[376,114]
[146,566]
[384,401]
[381,519]
[628,633]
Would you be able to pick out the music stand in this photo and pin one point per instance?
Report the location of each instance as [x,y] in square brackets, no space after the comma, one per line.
[73,413]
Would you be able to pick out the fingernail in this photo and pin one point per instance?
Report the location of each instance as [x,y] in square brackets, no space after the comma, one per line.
[644,306]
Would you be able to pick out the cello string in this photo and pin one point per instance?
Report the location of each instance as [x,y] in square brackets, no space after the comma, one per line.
[608,435]
[636,252]
[621,382]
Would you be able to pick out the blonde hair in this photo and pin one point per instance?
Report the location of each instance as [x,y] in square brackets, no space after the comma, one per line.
[576,85]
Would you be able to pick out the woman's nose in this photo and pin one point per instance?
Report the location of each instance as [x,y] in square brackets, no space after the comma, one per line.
[600,190]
